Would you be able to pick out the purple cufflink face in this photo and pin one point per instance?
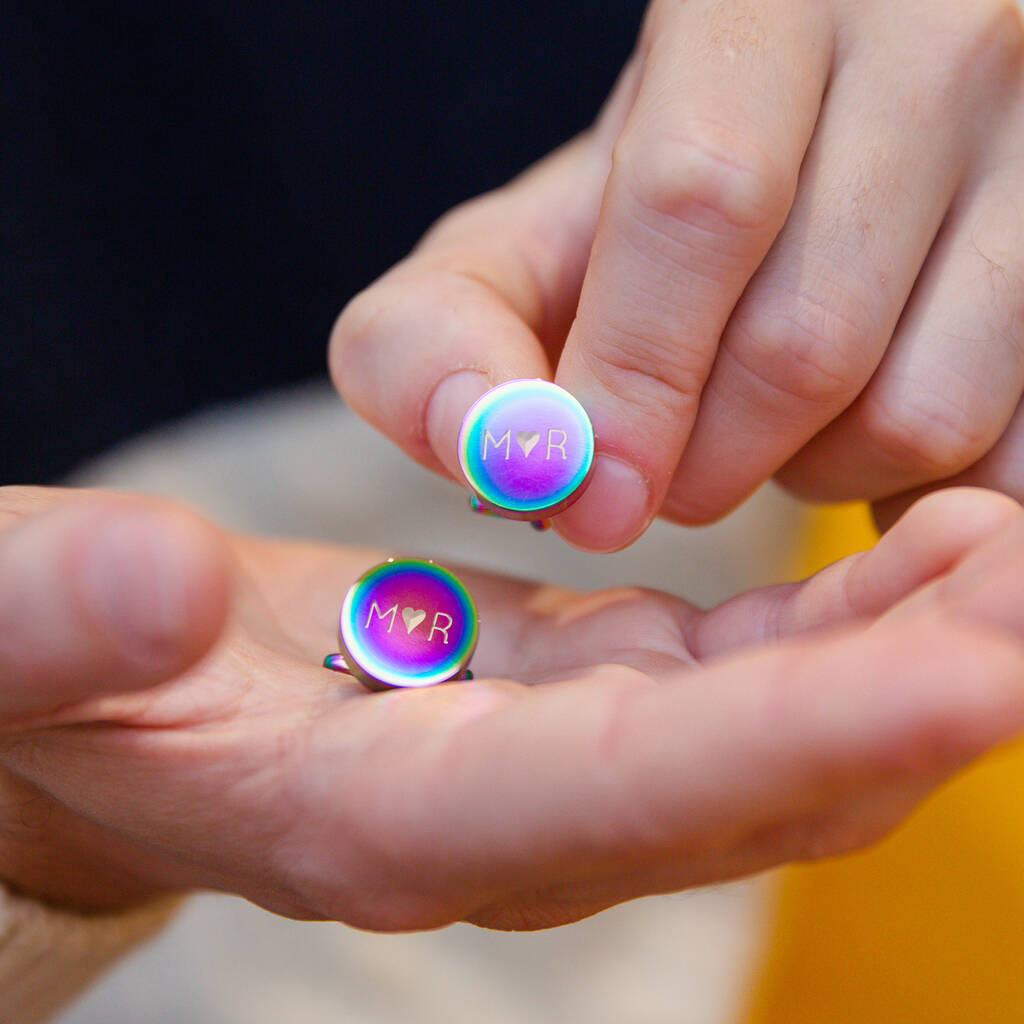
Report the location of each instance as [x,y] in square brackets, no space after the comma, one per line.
[407,623]
[527,449]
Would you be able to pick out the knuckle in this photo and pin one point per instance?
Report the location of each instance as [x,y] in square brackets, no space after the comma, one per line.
[804,348]
[983,38]
[351,331]
[380,913]
[646,368]
[358,883]
[452,221]
[936,740]
[926,430]
[460,220]
[526,913]
[996,36]
[364,344]
[709,176]
[994,250]
[366,907]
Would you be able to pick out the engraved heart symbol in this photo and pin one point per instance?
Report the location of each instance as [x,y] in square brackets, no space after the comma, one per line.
[412,617]
[526,439]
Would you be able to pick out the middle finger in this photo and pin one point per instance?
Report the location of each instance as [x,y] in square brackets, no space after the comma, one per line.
[816,319]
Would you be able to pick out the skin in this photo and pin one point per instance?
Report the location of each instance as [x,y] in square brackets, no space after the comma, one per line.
[789,246]
[165,724]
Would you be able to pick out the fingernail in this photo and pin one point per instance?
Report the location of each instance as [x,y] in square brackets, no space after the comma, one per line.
[447,407]
[135,578]
[613,511]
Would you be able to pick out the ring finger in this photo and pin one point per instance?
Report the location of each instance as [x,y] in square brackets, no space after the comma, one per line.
[954,373]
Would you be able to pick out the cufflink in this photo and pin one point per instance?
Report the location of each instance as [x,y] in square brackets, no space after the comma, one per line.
[526,448]
[406,623]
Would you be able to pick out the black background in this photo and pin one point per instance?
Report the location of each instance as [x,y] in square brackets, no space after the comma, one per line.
[191,191]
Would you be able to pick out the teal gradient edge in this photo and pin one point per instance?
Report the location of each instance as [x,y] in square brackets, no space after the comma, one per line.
[362,662]
[469,440]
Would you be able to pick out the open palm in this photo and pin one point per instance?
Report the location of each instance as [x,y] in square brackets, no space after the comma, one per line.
[613,744]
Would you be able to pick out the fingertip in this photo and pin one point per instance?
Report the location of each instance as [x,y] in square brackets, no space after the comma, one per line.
[612,512]
[927,541]
[974,510]
[446,409]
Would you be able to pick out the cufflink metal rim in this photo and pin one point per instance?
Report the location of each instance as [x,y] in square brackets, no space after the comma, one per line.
[356,660]
[539,511]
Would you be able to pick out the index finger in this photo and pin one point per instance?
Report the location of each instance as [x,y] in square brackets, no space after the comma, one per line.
[702,180]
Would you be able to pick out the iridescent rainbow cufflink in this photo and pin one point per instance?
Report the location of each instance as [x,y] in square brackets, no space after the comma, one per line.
[406,623]
[526,448]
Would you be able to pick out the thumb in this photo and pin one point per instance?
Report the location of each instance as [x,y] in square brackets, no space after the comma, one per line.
[104,594]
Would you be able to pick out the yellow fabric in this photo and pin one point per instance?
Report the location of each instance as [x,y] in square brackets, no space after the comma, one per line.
[925,928]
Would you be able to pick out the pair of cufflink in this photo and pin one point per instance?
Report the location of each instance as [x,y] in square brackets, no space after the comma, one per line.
[526,448]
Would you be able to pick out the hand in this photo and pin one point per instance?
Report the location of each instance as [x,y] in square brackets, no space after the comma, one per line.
[661,747]
[790,245]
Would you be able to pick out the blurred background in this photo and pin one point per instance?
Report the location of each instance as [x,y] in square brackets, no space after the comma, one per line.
[193,190]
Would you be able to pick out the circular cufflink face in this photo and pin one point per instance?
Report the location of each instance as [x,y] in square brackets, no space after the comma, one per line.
[527,449]
[407,623]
